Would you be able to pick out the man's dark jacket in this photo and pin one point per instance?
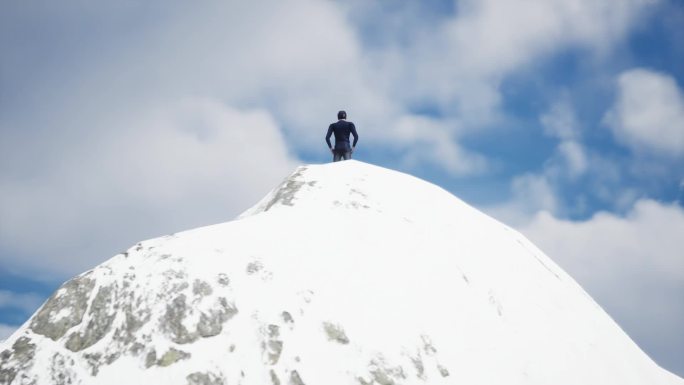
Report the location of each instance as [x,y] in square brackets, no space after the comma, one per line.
[342,129]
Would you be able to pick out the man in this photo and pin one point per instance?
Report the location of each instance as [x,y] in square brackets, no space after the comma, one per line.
[342,128]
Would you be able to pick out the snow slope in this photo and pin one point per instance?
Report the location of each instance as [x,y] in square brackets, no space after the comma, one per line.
[347,273]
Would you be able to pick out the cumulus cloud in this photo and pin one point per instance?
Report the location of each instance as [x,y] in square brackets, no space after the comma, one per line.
[575,158]
[530,193]
[432,141]
[561,122]
[179,165]
[632,265]
[28,302]
[6,331]
[648,113]
[461,60]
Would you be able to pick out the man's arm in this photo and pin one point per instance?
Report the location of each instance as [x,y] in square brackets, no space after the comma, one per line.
[354,134]
[327,137]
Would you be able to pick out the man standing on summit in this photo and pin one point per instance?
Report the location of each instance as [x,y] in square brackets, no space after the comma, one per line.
[342,128]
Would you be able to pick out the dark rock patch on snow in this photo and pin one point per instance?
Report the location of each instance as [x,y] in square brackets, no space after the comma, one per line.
[295,378]
[210,323]
[287,190]
[204,378]
[64,309]
[61,370]
[223,279]
[16,360]
[335,333]
[272,346]
[201,288]
[102,313]
[274,378]
[172,356]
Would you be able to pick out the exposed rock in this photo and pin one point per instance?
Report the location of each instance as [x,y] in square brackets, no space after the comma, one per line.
[211,323]
[172,356]
[151,358]
[7,374]
[172,321]
[174,283]
[287,190]
[201,288]
[134,318]
[443,371]
[204,378]
[335,333]
[254,267]
[274,378]
[136,348]
[384,374]
[64,309]
[61,370]
[287,317]
[420,367]
[24,350]
[112,357]
[295,379]
[102,313]
[428,347]
[94,361]
[16,360]
[223,279]
[273,346]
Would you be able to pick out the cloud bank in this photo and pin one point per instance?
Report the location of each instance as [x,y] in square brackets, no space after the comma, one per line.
[633,265]
[181,165]
[648,114]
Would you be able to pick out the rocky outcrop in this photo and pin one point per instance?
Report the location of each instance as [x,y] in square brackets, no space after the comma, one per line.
[64,309]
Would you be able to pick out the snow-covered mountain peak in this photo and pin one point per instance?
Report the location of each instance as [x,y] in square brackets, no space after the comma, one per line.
[346,273]
[357,188]
[338,185]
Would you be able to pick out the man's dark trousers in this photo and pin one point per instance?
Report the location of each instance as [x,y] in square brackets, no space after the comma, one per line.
[338,155]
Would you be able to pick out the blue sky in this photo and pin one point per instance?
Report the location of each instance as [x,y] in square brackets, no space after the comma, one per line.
[128,120]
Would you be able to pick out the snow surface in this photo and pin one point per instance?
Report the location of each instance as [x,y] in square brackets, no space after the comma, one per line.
[347,273]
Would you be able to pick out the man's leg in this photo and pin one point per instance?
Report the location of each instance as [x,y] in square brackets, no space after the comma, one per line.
[347,155]
[337,155]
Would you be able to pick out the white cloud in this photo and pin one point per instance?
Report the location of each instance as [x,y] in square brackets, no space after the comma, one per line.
[461,63]
[181,165]
[574,157]
[428,140]
[28,302]
[632,265]
[6,331]
[648,114]
[530,193]
[560,121]
[534,192]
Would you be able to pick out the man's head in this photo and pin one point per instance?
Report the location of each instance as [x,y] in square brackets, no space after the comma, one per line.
[342,115]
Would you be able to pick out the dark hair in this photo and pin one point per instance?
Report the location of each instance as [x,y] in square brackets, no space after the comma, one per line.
[342,115]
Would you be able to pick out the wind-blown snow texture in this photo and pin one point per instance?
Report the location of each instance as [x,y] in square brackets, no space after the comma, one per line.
[345,274]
